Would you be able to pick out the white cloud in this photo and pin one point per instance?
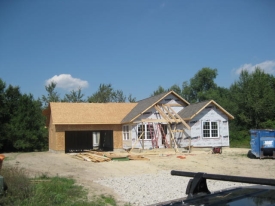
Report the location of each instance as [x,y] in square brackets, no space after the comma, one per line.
[267,67]
[67,82]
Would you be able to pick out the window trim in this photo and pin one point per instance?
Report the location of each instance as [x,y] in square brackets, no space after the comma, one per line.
[211,130]
[146,131]
[126,132]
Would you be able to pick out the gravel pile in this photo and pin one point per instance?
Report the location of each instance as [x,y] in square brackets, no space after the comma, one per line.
[146,189]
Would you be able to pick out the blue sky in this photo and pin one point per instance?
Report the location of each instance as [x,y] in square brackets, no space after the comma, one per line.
[133,45]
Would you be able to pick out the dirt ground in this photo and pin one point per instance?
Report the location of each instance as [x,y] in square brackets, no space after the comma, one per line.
[230,162]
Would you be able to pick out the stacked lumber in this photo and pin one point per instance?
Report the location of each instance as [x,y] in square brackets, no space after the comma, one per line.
[91,157]
[110,155]
[94,156]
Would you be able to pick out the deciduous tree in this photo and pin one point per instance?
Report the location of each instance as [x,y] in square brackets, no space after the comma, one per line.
[254,95]
[203,81]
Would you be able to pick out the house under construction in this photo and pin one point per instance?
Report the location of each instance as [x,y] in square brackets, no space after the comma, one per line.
[162,121]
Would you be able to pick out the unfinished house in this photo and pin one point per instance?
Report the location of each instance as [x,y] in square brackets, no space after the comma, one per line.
[162,121]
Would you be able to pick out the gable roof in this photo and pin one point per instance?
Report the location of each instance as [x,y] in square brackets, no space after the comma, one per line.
[145,104]
[193,110]
[89,113]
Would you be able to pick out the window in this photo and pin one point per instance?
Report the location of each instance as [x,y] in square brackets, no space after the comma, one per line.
[210,130]
[96,136]
[126,135]
[149,132]
[141,129]
[146,130]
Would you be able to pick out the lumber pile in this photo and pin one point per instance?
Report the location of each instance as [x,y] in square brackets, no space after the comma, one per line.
[94,156]
[91,157]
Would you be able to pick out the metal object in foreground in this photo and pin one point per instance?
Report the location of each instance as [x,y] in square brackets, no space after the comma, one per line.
[262,191]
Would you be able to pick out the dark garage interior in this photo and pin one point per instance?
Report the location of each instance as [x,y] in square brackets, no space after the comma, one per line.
[79,141]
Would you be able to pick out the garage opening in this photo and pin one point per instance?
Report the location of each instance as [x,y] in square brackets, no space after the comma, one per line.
[79,141]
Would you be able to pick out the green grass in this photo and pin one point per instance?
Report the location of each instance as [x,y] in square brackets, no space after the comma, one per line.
[240,144]
[46,191]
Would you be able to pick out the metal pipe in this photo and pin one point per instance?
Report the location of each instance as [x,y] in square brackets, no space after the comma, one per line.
[250,180]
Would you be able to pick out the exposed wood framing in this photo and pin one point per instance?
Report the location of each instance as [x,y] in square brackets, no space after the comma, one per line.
[173,138]
[151,120]
[169,113]
[182,121]
[173,105]
[169,116]
[164,116]
[178,130]
[137,141]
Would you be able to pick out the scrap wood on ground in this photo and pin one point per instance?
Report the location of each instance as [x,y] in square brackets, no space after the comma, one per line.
[95,156]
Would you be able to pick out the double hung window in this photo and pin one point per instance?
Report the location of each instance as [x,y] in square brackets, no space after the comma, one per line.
[126,133]
[210,129]
[145,131]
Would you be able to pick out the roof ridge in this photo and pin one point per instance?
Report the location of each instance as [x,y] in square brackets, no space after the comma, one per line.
[155,96]
[200,102]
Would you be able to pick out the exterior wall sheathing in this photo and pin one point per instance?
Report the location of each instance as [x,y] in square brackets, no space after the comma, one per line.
[57,135]
[52,137]
[196,133]
[212,114]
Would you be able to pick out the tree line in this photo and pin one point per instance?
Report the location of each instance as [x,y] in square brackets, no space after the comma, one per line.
[105,93]
[250,99]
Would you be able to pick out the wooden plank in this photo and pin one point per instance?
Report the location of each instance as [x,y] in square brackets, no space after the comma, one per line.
[136,141]
[173,138]
[144,135]
[151,120]
[84,158]
[170,114]
[97,157]
[222,109]
[173,105]
[178,130]
[164,116]
[91,157]
[183,122]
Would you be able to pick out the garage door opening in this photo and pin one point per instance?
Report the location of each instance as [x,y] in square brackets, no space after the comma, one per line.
[79,141]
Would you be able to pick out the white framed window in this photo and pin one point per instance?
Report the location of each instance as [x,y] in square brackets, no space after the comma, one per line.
[144,128]
[210,129]
[141,129]
[125,132]
[149,131]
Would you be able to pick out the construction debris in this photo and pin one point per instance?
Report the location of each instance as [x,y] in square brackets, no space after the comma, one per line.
[91,157]
[94,156]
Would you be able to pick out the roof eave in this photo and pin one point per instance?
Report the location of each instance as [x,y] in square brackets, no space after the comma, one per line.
[230,117]
[86,123]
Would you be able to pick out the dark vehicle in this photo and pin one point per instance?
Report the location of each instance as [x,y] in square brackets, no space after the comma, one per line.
[262,193]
